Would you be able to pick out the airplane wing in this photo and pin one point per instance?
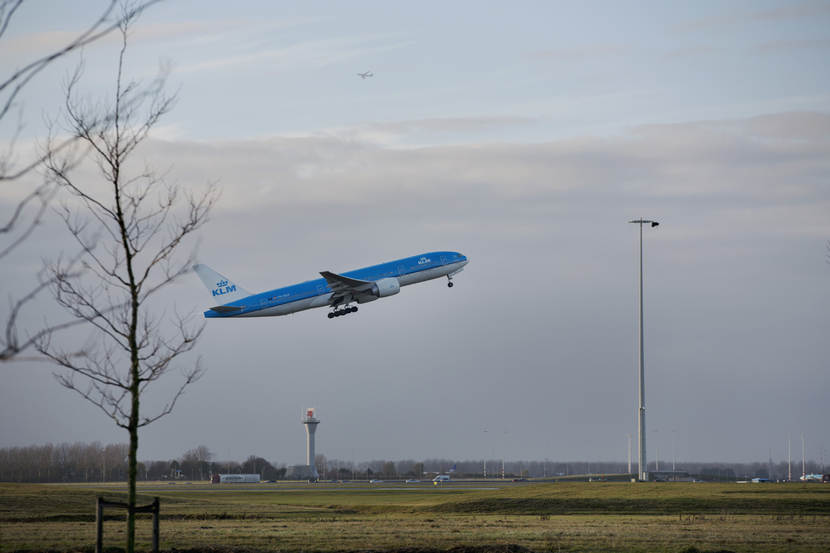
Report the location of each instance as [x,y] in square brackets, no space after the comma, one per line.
[340,284]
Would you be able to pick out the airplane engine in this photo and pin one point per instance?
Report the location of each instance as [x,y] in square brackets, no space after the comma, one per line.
[386,287]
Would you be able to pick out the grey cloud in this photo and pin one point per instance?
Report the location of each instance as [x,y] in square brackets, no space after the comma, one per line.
[797,10]
[391,133]
[537,338]
[693,50]
[587,51]
[314,53]
[803,44]
[748,159]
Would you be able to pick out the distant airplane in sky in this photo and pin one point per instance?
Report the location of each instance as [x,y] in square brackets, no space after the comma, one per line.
[333,290]
[367,74]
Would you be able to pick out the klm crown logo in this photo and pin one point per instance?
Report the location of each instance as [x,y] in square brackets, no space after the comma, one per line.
[222,288]
[424,260]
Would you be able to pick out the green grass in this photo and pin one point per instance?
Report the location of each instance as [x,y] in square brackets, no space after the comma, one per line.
[639,498]
[595,516]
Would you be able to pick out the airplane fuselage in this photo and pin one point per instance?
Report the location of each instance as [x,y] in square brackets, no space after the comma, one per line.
[318,293]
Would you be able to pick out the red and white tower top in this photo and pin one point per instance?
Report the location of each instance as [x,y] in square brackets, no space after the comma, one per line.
[308,417]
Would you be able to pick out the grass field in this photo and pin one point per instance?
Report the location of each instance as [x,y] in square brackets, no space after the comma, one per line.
[578,516]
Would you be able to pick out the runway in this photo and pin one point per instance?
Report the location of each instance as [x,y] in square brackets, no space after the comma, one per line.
[294,486]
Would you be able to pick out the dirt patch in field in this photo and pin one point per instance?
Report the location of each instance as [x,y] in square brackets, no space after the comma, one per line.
[636,506]
[496,548]
[500,548]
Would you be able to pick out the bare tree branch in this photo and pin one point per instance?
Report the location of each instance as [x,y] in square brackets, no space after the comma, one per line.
[43,194]
[7,9]
[15,83]
[130,236]
[18,225]
[12,343]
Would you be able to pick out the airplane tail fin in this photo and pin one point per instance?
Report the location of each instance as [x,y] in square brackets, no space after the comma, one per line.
[221,288]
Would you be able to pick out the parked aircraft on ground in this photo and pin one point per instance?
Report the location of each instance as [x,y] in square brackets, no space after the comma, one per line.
[333,290]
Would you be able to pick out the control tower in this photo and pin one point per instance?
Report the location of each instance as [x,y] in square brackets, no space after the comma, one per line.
[310,428]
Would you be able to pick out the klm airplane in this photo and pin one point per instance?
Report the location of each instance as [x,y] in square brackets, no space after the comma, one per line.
[337,291]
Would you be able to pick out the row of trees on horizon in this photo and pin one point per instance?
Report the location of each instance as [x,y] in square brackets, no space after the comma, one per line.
[94,462]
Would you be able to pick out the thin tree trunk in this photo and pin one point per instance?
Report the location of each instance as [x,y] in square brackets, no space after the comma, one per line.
[131,469]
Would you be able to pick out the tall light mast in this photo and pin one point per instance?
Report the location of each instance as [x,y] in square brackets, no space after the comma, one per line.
[789,459]
[641,414]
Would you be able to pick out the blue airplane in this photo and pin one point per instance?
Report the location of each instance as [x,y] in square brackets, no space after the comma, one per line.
[337,291]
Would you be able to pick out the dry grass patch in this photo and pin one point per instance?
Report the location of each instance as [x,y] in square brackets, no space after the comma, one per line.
[326,520]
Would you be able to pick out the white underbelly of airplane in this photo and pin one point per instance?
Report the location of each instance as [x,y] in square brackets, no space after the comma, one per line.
[429,274]
[292,307]
[323,299]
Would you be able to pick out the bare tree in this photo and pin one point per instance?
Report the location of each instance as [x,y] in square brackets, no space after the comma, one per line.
[195,461]
[130,226]
[18,223]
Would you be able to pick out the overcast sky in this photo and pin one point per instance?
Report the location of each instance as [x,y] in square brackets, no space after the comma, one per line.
[525,136]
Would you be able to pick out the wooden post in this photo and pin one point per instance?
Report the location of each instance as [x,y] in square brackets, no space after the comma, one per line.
[156,525]
[99,525]
[99,519]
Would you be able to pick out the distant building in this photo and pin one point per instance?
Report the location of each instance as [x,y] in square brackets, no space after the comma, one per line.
[235,478]
[301,472]
[669,476]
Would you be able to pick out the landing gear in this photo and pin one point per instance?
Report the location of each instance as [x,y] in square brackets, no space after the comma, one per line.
[449,284]
[449,281]
[340,312]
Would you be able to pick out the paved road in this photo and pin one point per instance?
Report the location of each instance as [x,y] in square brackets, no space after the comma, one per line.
[263,487]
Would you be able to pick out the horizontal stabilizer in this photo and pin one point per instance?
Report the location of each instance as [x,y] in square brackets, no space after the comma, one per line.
[226,308]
